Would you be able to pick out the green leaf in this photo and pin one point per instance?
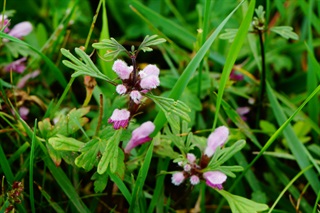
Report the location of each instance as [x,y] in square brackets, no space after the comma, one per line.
[54,154]
[64,143]
[85,66]
[112,46]
[285,31]
[89,156]
[172,109]
[267,127]
[100,181]
[183,81]
[222,155]
[110,154]
[150,41]
[230,34]
[241,204]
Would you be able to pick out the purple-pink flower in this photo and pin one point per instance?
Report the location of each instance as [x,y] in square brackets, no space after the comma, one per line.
[215,179]
[136,96]
[177,178]
[215,139]
[121,89]
[236,76]
[149,77]
[119,118]
[194,180]
[122,69]
[140,136]
[21,29]
[22,82]
[16,66]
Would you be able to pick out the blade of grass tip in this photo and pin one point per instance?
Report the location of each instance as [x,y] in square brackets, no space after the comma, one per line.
[287,187]
[271,140]
[60,77]
[33,145]
[297,148]
[138,187]
[162,166]
[232,56]
[183,81]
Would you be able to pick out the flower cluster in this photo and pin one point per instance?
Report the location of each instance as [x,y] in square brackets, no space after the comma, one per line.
[134,85]
[196,170]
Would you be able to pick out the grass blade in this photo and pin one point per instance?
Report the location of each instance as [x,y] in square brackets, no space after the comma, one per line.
[33,146]
[143,172]
[232,56]
[183,81]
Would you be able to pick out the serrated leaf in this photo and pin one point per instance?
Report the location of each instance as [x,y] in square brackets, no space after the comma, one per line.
[285,31]
[241,204]
[89,154]
[64,143]
[100,181]
[110,154]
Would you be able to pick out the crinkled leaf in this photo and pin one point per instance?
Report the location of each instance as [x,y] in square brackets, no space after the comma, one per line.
[89,154]
[285,31]
[110,154]
[64,143]
[241,204]
[172,109]
[85,66]
[100,181]
[230,34]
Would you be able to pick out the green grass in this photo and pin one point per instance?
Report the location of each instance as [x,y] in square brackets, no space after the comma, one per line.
[196,95]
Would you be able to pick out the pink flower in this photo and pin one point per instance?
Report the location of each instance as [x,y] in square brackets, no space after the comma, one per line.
[191,157]
[149,77]
[119,118]
[242,111]
[121,89]
[177,178]
[194,180]
[24,111]
[21,29]
[136,96]
[140,136]
[215,179]
[16,66]
[187,168]
[122,69]
[215,139]
[22,82]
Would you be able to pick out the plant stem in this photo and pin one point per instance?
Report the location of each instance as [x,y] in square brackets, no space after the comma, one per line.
[100,115]
[262,79]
